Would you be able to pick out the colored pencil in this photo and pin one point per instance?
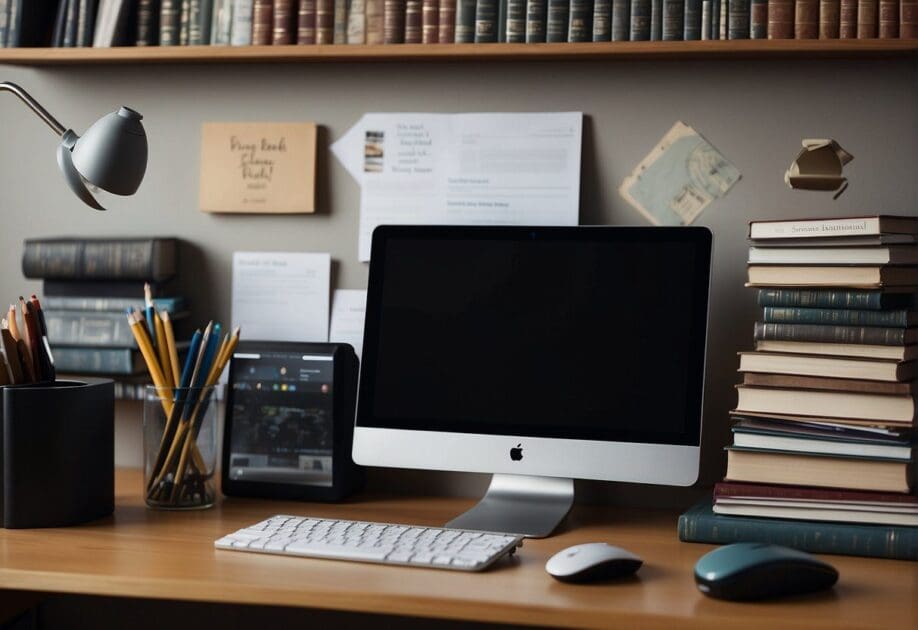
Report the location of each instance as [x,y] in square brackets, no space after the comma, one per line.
[171,348]
[162,350]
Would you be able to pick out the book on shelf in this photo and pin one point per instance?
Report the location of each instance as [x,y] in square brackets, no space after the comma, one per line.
[262,22]
[723,23]
[854,407]
[806,19]
[700,524]
[70,23]
[899,353]
[486,21]
[154,259]
[502,20]
[430,21]
[835,298]
[872,225]
[169,18]
[839,367]
[715,19]
[673,14]
[866,276]
[148,23]
[738,19]
[822,471]
[640,20]
[284,17]
[656,20]
[341,22]
[558,14]
[867,21]
[823,333]
[29,22]
[833,383]
[221,23]
[847,20]
[241,31]
[908,19]
[515,28]
[123,361]
[325,21]
[375,22]
[602,20]
[199,19]
[758,19]
[888,19]
[829,18]
[465,21]
[92,328]
[895,318]
[621,20]
[447,21]
[691,20]
[393,21]
[580,24]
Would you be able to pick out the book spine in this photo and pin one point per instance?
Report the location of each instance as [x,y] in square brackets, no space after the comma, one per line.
[70,26]
[356,22]
[89,329]
[516,21]
[836,317]
[195,32]
[183,22]
[413,22]
[640,20]
[5,24]
[15,21]
[241,31]
[739,18]
[376,33]
[866,19]
[908,19]
[691,20]
[780,19]
[580,25]
[111,305]
[715,19]
[558,14]
[430,21]
[502,20]
[306,22]
[602,20]
[147,23]
[621,20]
[465,21]
[486,22]
[536,21]
[724,19]
[847,20]
[447,22]
[817,333]
[325,21]
[86,21]
[282,32]
[703,526]
[821,298]
[656,20]
[96,360]
[705,20]
[889,19]
[339,35]
[806,19]
[829,19]
[152,259]
[394,21]
[673,12]
[758,19]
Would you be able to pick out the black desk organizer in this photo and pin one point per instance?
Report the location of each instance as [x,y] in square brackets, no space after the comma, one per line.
[58,450]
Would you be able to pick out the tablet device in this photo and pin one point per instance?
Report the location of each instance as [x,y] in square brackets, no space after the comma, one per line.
[289,421]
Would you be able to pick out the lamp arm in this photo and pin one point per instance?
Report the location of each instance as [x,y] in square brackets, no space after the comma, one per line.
[41,112]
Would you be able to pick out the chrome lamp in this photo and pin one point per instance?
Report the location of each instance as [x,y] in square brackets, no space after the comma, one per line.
[111,155]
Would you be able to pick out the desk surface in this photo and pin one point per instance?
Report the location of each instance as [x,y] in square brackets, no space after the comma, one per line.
[168,555]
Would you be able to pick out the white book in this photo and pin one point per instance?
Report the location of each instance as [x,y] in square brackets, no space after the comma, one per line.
[221,26]
[902,255]
[806,514]
[821,228]
[824,447]
[356,22]
[241,30]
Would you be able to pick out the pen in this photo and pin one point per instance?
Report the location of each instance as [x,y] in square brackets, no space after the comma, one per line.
[151,312]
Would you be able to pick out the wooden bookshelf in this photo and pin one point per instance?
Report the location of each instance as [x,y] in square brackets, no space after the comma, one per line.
[733,49]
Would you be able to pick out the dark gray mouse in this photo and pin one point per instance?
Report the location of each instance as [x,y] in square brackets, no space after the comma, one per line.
[592,562]
[750,571]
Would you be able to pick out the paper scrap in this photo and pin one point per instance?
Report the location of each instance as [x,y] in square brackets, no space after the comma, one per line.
[819,167]
[349,308]
[464,169]
[678,178]
[281,296]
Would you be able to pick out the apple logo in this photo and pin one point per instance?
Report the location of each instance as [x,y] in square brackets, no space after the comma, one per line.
[516,453]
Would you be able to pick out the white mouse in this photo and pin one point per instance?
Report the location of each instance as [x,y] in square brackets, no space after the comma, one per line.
[592,562]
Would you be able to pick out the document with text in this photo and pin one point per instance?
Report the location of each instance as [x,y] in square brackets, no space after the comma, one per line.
[464,169]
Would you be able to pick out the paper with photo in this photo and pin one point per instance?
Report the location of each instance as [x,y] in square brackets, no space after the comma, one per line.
[679,178]
[279,296]
[349,308]
[464,169]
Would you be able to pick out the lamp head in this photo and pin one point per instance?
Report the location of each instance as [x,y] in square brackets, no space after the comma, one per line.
[111,155]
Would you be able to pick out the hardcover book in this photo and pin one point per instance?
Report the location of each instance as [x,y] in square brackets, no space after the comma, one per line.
[806,19]
[859,350]
[842,368]
[447,18]
[621,20]
[375,22]
[656,20]
[339,35]
[908,19]
[867,21]
[170,13]
[872,335]
[899,318]
[835,298]
[847,25]
[241,32]
[86,22]
[863,408]
[413,21]
[890,255]
[283,32]
[516,21]
[692,20]
[758,19]
[829,18]
[147,23]
[640,20]
[98,360]
[465,21]
[153,259]
[325,21]
[738,19]
[486,21]
[306,22]
[888,19]
[430,22]
[558,14]
[780,19]
[906,388]
[701,524]
[580,24]
[874,276]
[536,21]
[673,14]
[602,20]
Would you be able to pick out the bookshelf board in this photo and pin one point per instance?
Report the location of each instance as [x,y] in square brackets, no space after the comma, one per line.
[663,50]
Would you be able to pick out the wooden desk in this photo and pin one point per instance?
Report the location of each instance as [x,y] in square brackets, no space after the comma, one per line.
[167,555]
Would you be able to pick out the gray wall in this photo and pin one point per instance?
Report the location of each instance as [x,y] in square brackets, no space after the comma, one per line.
[755,112]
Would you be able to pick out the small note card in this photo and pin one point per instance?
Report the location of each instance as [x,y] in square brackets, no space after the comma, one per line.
[258,167]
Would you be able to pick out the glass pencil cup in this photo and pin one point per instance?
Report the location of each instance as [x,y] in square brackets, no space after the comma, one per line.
[180,447]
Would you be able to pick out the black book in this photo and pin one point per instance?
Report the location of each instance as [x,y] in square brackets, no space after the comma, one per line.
[535,21]
[502,9]
[516,21]
[31,23]
[71,22]
[86,22]
[656,20]
[738,20]
[715,19]
[621,20]
[640,20]
[692,20]
[673,13]
[558,14]
[100,259]
[60,19]
[486,21]
[465,21]
[580,27]
[113,289]
[602,20]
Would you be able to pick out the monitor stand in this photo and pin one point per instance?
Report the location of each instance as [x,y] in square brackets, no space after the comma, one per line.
[516,504]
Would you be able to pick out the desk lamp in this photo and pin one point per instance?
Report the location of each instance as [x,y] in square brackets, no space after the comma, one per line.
[111,155]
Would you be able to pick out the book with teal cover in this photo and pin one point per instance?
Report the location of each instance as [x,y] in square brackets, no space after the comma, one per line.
[700,524]
[834,298]
[897,318]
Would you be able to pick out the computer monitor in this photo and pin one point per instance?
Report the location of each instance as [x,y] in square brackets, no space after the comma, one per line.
[537,354]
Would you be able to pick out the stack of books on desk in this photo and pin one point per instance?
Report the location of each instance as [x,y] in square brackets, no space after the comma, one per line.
[88,284]
[823,429]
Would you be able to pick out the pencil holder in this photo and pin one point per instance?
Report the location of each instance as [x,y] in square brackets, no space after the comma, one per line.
[180,446]
[58,449]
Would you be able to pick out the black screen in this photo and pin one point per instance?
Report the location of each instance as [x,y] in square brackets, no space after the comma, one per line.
[583,333]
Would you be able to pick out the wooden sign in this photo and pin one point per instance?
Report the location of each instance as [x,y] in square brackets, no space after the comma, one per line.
[258,167]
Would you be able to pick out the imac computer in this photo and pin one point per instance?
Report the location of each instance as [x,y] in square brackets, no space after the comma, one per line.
[536,354]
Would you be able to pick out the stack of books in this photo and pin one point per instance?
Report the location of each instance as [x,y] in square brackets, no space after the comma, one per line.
[88,284]
[827,406]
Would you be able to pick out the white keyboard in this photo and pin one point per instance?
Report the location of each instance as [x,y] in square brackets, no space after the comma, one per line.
[384,543]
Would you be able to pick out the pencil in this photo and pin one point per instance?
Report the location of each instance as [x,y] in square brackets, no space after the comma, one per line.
[171,347]
[11,351]
[11,323]
[149,356]
[162,350]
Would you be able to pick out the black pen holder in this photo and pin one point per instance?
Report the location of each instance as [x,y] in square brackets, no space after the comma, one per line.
[58,450]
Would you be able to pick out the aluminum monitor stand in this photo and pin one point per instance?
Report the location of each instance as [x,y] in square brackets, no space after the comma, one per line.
[516,504]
